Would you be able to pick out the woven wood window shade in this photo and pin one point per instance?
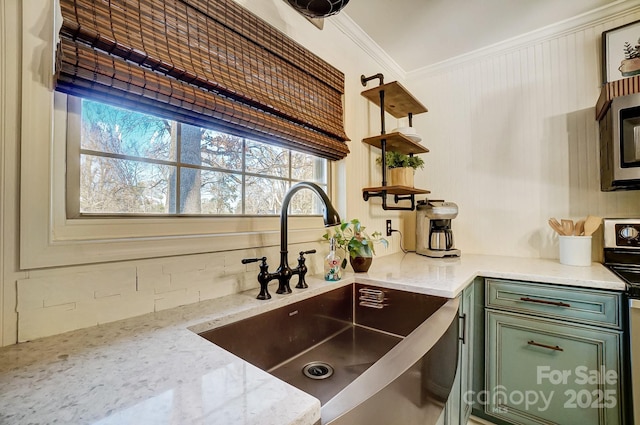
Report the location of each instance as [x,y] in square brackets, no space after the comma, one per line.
[209,63]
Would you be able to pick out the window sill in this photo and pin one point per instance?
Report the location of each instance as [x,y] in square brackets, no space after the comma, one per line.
[39,253]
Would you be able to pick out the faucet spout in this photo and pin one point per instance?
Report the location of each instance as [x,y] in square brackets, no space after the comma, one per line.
[331,218]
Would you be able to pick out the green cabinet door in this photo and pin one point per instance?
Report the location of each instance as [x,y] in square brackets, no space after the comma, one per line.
[542,371]
[465,366]
[458,407]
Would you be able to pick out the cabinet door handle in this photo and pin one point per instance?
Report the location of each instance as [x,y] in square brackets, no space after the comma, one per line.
[556,303]
[550,347]
[463,318]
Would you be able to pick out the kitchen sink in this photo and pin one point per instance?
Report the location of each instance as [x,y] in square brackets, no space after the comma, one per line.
[362,350]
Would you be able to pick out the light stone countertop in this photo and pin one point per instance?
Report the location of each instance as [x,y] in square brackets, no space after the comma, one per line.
[154,369]
[447,277]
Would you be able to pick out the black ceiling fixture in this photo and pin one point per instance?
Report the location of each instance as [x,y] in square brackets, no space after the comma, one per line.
[318,8]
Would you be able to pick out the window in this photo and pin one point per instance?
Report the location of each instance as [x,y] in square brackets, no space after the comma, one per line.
[54,233]
[124,162]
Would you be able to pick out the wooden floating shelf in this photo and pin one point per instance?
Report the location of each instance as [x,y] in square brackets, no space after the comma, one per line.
[396,142]
[397,100]
[396,190]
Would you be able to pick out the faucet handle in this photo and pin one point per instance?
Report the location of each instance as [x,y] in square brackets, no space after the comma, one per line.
[301,270]
[253,260]
[263,276]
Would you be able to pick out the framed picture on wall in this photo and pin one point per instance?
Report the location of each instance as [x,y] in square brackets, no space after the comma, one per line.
[621,52]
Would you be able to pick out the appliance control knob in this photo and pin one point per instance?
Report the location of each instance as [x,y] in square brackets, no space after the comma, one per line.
[629,232]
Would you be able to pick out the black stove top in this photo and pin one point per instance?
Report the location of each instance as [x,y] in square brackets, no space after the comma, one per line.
[631,276]
[622,251]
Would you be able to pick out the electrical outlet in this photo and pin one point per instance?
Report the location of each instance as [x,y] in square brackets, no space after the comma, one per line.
[389,229]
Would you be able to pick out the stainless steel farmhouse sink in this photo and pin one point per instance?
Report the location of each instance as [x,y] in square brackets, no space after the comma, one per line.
[369,354]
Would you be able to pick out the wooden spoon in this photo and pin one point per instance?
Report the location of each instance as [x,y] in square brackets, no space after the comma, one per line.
[579,229]
[556,226]
[591,224]
[567,226]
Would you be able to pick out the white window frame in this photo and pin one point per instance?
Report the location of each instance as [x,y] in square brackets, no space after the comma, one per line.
[48,238]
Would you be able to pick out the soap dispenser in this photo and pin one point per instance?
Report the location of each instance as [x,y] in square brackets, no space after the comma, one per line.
[332,269]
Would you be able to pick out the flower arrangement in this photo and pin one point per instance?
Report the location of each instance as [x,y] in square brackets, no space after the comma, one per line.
[351,237]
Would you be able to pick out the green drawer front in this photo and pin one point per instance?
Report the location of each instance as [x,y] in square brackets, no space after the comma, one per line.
[544,372]
[585,306]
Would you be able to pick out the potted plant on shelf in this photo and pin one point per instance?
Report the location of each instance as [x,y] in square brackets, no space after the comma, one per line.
[401,167]
[351,237]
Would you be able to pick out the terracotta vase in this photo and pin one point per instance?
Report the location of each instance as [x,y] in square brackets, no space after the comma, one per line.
[401,176]
[360,264]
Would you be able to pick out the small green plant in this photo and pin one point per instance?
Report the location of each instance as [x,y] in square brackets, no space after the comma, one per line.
[351,237]
[400,160]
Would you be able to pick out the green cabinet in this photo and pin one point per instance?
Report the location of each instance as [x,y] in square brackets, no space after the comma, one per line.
[465,365]
[553,354]
[458,407]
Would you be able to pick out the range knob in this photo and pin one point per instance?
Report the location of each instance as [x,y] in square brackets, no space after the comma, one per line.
[628,233]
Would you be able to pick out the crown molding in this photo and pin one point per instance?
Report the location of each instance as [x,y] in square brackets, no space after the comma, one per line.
[346,25]
[615,10]
[607,13]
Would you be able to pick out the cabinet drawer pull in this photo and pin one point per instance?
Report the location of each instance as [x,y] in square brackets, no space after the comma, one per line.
[550,347]
[556,303]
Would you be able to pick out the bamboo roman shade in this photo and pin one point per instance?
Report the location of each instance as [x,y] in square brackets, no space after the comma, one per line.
[209,63]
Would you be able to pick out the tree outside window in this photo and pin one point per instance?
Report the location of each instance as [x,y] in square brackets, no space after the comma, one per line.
[133,163]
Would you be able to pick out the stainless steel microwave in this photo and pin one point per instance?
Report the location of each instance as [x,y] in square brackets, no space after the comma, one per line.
[620,145]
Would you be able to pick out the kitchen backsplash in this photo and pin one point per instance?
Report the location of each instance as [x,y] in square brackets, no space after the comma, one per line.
[55,301]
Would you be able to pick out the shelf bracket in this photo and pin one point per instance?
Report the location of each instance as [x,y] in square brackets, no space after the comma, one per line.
[366,195]
[364,80]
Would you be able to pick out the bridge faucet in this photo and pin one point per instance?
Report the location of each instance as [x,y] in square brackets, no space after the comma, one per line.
[284,272]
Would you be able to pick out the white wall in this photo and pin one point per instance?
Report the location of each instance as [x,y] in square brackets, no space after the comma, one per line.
[513,137]
[48,301]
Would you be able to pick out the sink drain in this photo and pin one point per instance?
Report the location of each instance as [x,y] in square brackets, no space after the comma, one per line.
[317,370]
